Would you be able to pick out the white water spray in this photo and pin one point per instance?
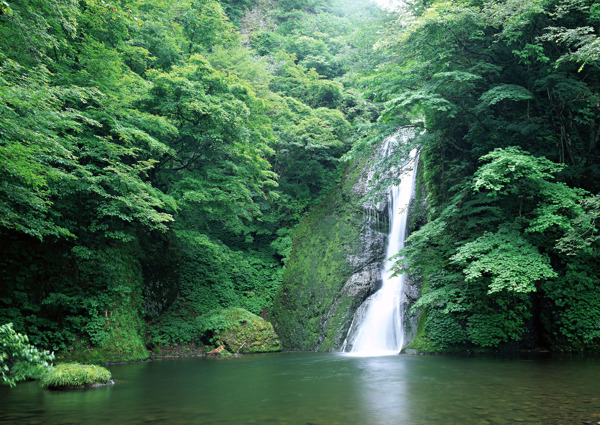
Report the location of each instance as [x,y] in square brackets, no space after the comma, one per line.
[377,328]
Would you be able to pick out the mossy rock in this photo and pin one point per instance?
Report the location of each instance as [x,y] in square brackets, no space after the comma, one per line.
[335,263]
[240,331]
[74,375]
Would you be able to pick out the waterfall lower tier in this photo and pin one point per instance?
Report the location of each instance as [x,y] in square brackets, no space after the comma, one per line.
[378,325]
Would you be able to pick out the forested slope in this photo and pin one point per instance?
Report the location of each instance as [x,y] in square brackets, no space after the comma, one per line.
[508,94]
[154,158]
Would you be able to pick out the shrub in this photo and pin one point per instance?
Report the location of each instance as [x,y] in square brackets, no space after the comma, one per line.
[20,360]
[69,375]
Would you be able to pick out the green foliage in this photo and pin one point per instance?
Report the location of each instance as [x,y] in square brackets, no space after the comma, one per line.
[112,128]
[205,25]
[75,164]
[212,276]
[218,159]
[500,247]
[503,93]
[34,155]
[117,339]
[93,296]
[583,235]
[244,65]
[574,315]
[508,162]
[73,375]
[305,84]
[510,260]
[444,330]
[155,162]
[236,8]
[510,167]
[19,359]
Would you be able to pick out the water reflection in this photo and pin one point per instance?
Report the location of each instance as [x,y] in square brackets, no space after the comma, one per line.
[383,389]
[488,390]
[324,389]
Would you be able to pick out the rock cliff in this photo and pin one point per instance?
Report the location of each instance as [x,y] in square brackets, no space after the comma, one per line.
[336,262]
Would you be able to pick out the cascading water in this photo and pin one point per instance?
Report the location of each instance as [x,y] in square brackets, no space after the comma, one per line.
[378,325]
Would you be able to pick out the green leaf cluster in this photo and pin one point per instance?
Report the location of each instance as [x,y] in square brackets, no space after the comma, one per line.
[19,359]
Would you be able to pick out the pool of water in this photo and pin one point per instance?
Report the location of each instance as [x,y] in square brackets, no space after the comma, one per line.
[324,389]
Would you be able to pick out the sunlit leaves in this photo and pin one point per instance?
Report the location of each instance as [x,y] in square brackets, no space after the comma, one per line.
[221,142]
[37,31]
[531,53]
[205,25]
[239,61]
[504,92]
[543,203]
[584,43]
[35,141]
[14,348]
[507,258]
[512,167]
[513,17]
[421,102]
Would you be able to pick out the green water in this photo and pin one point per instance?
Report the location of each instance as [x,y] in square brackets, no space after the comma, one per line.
[320,389]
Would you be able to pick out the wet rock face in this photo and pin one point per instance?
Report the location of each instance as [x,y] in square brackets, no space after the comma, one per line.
[336,263]
[411,318]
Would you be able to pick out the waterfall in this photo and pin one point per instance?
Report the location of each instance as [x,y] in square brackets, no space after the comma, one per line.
[378,325]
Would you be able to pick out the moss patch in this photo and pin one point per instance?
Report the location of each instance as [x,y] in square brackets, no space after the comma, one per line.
[123,341]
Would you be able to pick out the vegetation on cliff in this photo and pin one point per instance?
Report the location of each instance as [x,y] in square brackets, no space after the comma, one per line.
[318,268]
[507,93]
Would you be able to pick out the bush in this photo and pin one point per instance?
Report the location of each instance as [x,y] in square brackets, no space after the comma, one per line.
[122,342]
[25,370]
[69,375]
[20,360]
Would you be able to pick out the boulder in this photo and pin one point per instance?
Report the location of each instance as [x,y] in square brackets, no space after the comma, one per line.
[239,331]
